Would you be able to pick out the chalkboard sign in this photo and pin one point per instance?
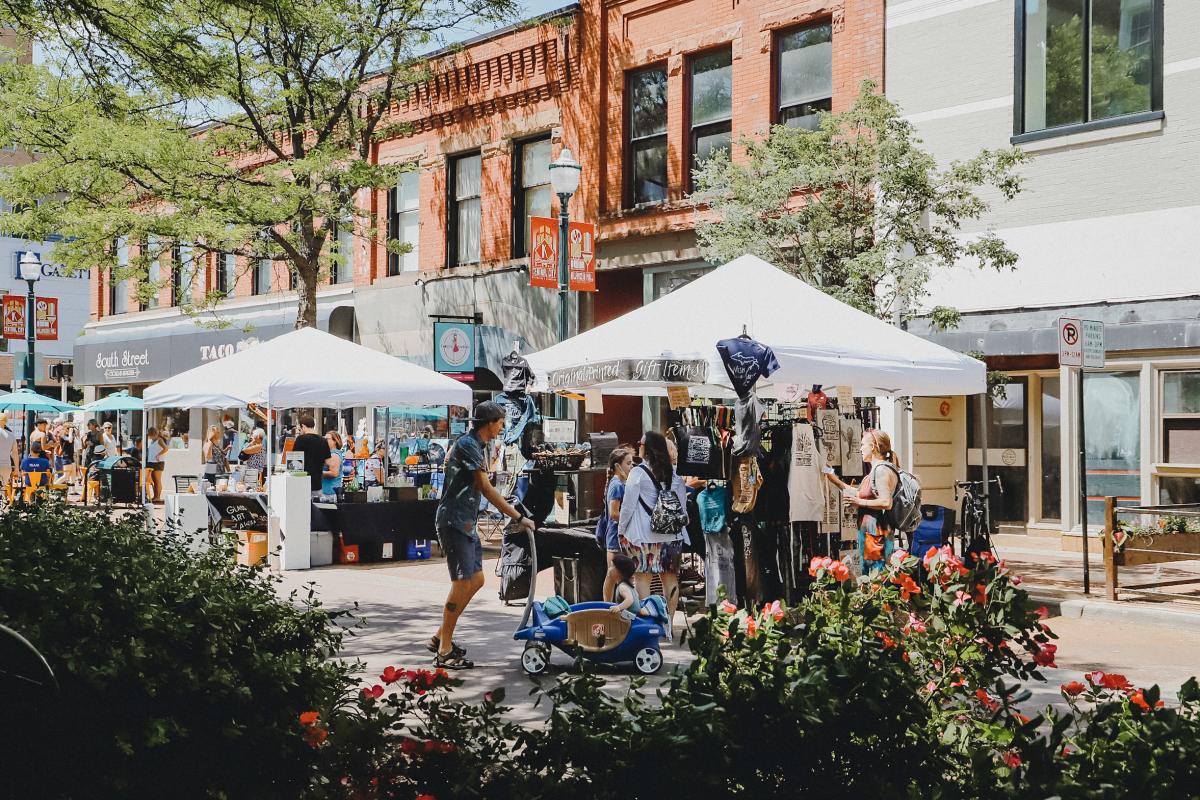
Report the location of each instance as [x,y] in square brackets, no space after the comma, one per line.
[243,512]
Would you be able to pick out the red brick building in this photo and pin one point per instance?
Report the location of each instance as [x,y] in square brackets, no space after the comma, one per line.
[638,90]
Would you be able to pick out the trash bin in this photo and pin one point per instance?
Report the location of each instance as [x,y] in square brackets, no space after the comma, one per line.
[118,479]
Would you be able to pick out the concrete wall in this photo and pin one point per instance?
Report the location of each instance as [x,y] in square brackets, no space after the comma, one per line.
[1111,215]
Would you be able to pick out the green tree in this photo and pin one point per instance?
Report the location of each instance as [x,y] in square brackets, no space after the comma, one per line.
[241,126]
[856,207]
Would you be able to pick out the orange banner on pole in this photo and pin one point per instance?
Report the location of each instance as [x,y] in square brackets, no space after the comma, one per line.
[543,252]
[13,306]
[581,256]
[46,318]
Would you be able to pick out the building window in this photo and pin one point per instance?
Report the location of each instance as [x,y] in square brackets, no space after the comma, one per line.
[646,126]
[466,185]
[1113,446]
[711,85]
[404,217]
[1181,417]
[260,279]
[804,75]
[183,273]
[226,273]
[1051,449]
[118,289]
[153,271]
[1086,62]
[342,269]
[531,189]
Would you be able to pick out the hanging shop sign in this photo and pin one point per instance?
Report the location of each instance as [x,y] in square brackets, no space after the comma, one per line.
[630,370]
[543,252]
[581,256]
[454,349]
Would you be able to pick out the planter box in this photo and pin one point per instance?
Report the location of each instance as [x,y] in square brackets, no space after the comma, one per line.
[1186,547]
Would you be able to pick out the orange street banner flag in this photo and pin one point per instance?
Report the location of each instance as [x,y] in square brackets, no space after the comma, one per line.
[581,256]
[543,252]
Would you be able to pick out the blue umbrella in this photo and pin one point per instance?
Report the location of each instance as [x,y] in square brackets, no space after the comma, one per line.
[118,401]
[32,401]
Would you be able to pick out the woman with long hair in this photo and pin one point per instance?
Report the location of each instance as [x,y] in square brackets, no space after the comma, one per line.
[156,445]
[620,462]
[873,498]
[214,452]
[654,553]
[331,474]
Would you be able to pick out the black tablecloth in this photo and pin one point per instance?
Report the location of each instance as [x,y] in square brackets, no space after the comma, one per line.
[376,523]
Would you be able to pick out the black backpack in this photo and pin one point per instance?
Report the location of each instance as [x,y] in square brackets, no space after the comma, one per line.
[668,517]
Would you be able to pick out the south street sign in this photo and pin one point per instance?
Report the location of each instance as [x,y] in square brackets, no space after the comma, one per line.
[630,370]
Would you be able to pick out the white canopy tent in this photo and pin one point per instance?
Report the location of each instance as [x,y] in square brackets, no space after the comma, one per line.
[306,368]
[816,338]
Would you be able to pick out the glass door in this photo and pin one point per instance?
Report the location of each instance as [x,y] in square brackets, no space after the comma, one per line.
[1007,443]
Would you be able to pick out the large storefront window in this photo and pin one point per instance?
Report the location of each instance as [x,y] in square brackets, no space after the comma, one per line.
[1111,402]
[1007,440]
[1180,436]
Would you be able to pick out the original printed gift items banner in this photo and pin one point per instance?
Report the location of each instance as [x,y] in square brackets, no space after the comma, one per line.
[630,370]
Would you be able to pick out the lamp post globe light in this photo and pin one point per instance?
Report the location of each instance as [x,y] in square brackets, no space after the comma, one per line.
[564,180]
[30,268]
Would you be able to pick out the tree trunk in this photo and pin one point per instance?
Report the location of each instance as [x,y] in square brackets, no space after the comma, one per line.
[306,301]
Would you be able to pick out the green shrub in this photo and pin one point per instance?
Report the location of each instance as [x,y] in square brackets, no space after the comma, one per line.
[181,674]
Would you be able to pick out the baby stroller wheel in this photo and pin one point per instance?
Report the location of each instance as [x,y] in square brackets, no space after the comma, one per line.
[535,658]
[648,660]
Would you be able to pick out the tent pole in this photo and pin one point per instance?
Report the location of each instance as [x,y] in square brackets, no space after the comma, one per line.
[270,436]
[145,452]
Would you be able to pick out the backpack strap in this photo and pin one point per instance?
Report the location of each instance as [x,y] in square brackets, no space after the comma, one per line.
[657,488]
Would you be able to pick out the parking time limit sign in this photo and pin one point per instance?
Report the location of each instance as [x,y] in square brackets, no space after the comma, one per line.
[1080,343]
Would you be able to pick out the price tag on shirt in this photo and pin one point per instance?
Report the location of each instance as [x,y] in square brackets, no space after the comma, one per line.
[678,397]
[845,399]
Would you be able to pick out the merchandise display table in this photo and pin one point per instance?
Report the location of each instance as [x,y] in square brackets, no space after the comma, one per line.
[371,525]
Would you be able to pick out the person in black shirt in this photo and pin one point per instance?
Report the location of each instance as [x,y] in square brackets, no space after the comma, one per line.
[316,452]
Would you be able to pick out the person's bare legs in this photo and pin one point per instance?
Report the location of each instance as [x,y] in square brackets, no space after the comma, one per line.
[641,581]
[610,582]
[670,582]
[461,593]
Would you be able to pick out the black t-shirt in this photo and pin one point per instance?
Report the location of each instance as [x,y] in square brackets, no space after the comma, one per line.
[316,451]
[92,440]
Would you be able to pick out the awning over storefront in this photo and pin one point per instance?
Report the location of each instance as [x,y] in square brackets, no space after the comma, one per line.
[124,352]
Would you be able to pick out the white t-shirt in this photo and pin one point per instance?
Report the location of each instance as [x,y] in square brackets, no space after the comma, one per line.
[804,476]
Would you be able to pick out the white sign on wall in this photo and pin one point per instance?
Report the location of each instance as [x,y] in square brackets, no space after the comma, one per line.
[1080,343]
[1093,343]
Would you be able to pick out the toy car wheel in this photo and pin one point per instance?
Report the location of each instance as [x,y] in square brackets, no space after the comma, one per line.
[648,660]
[535,658]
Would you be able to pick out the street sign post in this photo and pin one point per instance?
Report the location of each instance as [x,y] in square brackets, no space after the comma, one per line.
[1081,345]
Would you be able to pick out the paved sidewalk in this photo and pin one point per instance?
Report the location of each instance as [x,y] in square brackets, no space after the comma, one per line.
[402,604]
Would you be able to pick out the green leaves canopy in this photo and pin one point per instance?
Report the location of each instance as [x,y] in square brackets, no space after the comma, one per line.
[247,127]
[856,208]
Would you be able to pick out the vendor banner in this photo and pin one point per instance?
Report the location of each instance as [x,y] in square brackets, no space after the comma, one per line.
[46,318]
[543,252]
[630,370]
[581,260]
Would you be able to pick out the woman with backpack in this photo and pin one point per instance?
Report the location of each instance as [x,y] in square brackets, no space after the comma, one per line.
[873,498]
[653,521]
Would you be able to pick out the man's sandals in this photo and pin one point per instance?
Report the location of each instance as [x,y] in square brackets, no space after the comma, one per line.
[455,659]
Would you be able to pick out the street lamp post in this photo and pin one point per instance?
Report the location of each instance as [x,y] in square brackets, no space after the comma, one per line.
[564,179]
[31,271]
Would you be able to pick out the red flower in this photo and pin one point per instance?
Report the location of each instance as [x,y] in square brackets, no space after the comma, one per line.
[1073,688]
[840,571]
[391,675]
[1011,759]
[315,735]
[908,586]
[375,692]
[727,607]
[751,627]
[1043,612]
[426,797]
[309,718]
[1139,700]
[408,746]
[1108,680]
[887,640]
[980,594]
[914,623]
[986,700]
[819,563]
[1044,656]
[1021,718]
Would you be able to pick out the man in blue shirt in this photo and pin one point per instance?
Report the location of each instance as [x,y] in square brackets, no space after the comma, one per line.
[36,461]
[457,512]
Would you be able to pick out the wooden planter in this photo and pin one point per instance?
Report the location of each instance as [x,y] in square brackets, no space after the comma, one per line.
[1161,548]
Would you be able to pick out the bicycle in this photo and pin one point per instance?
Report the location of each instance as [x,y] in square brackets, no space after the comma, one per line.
[974,531]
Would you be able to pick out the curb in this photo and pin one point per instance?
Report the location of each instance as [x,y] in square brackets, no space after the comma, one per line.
[1104,610]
